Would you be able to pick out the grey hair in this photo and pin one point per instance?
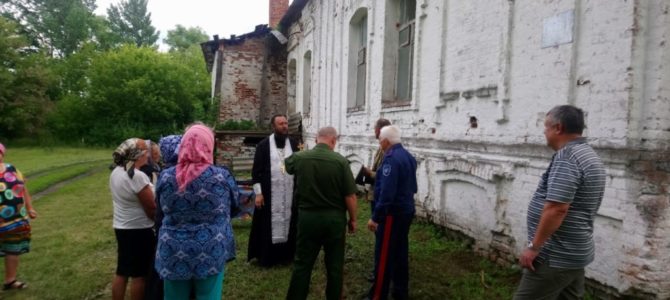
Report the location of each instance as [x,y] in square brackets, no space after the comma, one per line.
[391,133]
[570,117]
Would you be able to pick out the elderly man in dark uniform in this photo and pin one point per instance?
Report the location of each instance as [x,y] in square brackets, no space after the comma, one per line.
[395,186]
[326,189]
[371,173]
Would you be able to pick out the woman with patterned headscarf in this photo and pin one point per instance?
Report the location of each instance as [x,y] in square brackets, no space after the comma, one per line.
[169,146]
[195,239]
[134,208]
[153,166]
[15,209]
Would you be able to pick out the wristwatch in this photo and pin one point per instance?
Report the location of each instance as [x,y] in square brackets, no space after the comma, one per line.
[532,247]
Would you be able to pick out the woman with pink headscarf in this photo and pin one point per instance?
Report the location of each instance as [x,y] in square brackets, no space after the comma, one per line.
[195,239]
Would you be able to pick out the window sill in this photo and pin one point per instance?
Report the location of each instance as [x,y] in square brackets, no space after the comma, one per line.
[358,110]
[393,106]
[357,113]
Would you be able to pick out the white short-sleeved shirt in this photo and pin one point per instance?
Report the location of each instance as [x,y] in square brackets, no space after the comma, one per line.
[128,211]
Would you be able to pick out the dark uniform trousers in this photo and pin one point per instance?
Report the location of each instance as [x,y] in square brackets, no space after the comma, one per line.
[316,229]
[391,257]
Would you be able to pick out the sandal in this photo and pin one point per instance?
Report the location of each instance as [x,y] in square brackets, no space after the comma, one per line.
[15,284]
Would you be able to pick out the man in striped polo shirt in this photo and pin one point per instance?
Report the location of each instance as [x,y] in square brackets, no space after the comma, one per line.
[561,213]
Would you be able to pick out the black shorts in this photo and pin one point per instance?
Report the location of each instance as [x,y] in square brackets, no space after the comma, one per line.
[135,252]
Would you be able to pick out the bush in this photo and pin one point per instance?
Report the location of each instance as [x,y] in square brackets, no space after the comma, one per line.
[131,92]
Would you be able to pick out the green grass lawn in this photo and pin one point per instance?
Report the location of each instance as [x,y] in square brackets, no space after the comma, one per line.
[46,167]
[74,250]
[60,174]
[33,161]
[440,268]
[73,246]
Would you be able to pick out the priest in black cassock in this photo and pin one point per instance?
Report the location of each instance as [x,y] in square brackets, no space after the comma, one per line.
[273,229]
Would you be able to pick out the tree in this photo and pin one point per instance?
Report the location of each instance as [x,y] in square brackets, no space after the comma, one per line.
[103,36]
[181,38]
[200,82]
[58,26]
[131,21]
[24,82]
[131,92]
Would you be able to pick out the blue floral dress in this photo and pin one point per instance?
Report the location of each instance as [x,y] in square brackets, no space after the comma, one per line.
[196,238]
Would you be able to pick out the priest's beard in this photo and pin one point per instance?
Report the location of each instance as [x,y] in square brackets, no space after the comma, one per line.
[280,139]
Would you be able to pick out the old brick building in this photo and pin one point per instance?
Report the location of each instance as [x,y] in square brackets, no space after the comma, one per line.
[249,71]
[249,81]
[470,82]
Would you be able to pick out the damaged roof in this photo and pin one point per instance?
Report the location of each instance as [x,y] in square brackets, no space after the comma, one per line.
[293,13]
[209,48]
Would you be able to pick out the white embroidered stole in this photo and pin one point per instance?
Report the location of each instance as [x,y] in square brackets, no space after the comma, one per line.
[282,191]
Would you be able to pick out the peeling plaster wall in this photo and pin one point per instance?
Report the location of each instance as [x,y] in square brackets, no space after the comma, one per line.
[489,60]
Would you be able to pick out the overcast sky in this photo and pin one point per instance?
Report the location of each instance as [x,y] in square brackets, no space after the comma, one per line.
[222,17]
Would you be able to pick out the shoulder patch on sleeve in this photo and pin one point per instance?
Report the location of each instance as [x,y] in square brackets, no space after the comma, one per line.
[386,169]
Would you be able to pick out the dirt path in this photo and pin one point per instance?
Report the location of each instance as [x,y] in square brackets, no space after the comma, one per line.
[63,183]
[42,172]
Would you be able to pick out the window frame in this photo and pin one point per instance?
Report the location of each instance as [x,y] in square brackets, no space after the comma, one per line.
[402,23]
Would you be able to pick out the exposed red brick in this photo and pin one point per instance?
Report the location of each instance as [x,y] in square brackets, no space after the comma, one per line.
[278,9]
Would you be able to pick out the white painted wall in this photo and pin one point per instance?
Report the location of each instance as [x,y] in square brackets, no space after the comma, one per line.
[479,181]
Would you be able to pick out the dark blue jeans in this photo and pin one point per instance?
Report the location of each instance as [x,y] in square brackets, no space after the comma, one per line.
[392,257]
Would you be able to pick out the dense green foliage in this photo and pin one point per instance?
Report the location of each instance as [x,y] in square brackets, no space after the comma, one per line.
[23,84]
[182,38]
[59,27]
[132,22]
[131,92]
[70,76]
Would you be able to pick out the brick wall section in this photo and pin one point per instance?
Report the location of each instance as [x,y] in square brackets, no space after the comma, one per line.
[277,10]
[242,73]
[253,80]
[274,88]
[230,147]
[227,148]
